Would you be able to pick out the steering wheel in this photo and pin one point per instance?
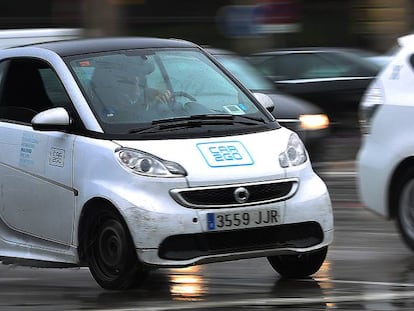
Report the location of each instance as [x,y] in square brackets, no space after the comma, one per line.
[184,94]
[189,107]
[192,106]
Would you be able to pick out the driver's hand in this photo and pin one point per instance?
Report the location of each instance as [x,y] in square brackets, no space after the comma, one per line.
[165,98]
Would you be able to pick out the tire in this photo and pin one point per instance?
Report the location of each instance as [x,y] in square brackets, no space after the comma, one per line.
[405,212]
[112,259]
[298,266]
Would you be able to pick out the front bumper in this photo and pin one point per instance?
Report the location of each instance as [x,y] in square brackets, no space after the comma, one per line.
[177,236]
[191,246]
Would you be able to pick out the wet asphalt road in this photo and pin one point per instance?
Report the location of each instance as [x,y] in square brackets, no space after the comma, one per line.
[367,268]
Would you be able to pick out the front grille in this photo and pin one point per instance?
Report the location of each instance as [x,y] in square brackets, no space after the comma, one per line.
[224,196]
[189,246]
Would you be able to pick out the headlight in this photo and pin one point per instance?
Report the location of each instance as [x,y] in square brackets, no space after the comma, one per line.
[314,121]
[295,153]
[370,102]
[149,165]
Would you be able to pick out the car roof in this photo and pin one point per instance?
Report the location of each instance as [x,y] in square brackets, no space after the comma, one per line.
[93,45]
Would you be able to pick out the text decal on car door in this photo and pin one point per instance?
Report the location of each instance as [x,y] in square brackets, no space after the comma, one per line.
[225,153]
[31,153]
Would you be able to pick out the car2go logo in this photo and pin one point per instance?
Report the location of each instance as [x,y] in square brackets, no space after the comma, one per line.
[225,153]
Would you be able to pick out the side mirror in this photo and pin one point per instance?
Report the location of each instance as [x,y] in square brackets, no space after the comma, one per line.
[55,119]
[265,101]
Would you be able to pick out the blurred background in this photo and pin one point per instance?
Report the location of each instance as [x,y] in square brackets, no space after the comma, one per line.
[241,26]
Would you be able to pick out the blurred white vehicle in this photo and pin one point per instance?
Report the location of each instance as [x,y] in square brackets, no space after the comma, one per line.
[99,169]
[17,37]
[386,156]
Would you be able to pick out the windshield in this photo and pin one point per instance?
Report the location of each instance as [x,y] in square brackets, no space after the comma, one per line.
[246,73]
[130,89]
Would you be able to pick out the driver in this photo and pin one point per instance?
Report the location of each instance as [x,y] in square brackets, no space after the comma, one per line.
[121,94]
[137,93]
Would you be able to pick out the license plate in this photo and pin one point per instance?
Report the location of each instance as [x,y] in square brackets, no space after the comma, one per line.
[240,220]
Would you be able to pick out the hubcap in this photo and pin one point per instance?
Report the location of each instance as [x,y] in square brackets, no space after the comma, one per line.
[110,247]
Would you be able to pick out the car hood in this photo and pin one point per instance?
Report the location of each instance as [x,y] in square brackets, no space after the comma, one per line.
[222,160]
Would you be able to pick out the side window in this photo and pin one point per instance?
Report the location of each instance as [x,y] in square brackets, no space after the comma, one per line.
[30,86]
[302,66]
[320,67]
[352,65]
[283,67]
[288,66]
[54,88]
[271,68]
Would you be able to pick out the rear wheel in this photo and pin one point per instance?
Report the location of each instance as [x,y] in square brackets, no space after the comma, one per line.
[298,266]
[405,215]
[111,255]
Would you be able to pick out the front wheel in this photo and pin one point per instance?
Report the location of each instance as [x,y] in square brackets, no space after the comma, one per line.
[112,258]
[298,266]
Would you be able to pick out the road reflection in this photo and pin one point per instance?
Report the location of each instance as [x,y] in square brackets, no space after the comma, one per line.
[368,268]
[186,284]
[325,283]
[189,285]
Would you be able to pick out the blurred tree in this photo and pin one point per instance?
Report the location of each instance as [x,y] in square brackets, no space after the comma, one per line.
[101,18]
[24,14]
[379,23]
[65,13]
[364,23]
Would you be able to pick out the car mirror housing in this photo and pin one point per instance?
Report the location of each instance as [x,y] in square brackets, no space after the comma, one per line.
[265,101]
[51,120]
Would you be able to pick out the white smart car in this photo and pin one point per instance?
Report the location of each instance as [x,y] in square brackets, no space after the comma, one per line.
[386,157]
[128,154]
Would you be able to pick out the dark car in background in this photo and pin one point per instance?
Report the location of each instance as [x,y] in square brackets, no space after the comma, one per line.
[333,79]
[308,120]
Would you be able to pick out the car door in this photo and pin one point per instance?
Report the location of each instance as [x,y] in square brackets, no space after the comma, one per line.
[36,193]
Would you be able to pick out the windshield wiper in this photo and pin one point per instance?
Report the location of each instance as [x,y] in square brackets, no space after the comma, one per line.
[199,117]
[196,121]
[243,116]
[206,118]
